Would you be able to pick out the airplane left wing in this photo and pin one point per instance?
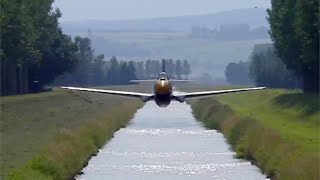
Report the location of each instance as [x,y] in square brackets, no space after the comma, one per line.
[143,96]
[182,96]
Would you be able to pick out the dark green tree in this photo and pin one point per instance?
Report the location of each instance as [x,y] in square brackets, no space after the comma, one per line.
[295,33]
[113,71]
[33,47]
[99,70]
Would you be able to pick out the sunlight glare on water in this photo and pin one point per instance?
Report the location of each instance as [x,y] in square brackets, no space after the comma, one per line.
[167,143]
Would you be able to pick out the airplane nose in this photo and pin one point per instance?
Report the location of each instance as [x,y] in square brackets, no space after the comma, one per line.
[162,87]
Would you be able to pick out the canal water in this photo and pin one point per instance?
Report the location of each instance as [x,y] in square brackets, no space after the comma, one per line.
[167,143]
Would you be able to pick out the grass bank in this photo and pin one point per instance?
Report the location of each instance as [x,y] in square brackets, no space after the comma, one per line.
[276,129]
[35,127]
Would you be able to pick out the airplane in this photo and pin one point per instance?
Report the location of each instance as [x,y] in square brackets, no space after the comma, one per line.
[163,94]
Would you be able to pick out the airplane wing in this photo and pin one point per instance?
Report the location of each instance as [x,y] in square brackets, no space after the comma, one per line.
[143,96]
[144,80]
[181,80]
[182,96]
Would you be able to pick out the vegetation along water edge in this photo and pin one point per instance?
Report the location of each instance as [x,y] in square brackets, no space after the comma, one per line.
[276,129]
[53,135]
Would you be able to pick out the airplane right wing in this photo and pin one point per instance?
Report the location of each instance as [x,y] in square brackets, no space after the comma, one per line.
[181,80]
[182,96]
[144,80]
[143,96]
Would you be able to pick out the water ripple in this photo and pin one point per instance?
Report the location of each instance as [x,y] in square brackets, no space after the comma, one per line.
[179,168]
[168,132]
[165,154]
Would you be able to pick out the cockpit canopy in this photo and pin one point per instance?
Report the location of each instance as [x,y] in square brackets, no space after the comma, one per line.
[163,76]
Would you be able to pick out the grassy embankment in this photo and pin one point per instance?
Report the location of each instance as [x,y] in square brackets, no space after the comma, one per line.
[277,129]
[52,135]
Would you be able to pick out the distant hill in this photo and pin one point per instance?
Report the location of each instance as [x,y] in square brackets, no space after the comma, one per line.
[111,48]
[254,17]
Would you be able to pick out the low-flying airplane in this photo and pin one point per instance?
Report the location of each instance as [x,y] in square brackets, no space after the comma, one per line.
[163,93]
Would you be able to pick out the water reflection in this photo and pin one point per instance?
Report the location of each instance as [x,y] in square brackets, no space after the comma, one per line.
[167,143]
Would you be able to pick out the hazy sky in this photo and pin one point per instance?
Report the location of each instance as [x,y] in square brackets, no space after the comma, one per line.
[135,9]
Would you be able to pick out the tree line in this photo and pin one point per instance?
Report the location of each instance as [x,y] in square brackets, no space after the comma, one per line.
[263,69]
[293,59]
[35,52]
[93,70]
[33,48]
[149,69]
[267,69]
[295,34]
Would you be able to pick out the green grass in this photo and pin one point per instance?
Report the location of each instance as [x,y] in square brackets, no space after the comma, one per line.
[278,129]
[70,150]
[30,122]
[293,114]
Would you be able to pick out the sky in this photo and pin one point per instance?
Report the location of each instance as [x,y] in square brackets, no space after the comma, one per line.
[77,10]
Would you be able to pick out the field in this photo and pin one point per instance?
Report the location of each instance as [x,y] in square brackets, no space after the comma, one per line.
[277,129]
[30,122]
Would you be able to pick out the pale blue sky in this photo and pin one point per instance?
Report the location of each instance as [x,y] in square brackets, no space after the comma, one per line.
[75,10]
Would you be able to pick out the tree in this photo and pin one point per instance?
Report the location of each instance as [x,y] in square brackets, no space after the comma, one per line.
[295,33]
[113,71]
[178,69]
[140,70]
[238,73]
[132,70]
[170,68]
[154,68]
[83,72]
[147,67]
[266,69]
[34,49]
[99,70]
[186,69]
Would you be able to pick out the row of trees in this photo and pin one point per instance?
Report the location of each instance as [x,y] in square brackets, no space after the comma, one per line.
[33,48]
[267,69]
[35,52]
[93,70]
[294,60]
[263,69]
[295,33]
[179,69]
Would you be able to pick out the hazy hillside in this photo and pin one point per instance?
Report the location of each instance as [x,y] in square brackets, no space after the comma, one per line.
[205,55]
[172,38]
[254,17]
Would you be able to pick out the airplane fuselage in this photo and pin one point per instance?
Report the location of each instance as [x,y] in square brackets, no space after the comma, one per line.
[162,92]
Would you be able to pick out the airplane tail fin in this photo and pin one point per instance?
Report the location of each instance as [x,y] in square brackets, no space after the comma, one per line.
[163,65]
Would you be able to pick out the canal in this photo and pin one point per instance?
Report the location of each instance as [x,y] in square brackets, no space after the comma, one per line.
[167,143]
